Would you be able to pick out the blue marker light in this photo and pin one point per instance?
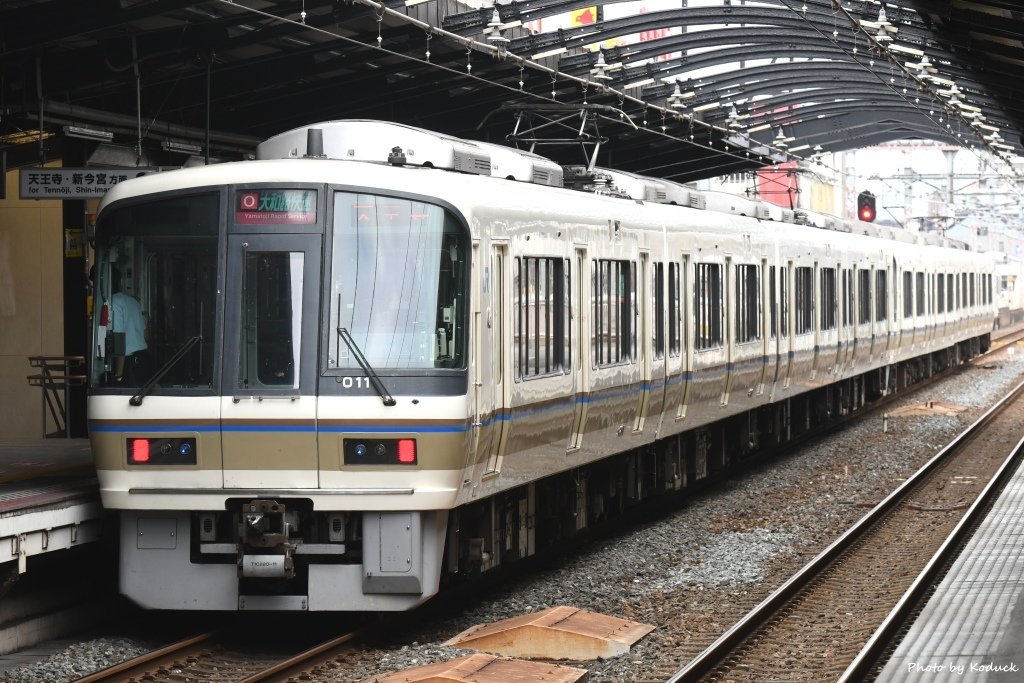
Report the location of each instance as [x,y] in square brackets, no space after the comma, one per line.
[185,449]
[360,449]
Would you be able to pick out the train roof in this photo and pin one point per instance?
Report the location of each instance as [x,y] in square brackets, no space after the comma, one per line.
[486,200]
[386,148]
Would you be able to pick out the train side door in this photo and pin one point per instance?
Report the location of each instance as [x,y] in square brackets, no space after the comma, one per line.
[684,292]
[480,363]
[817,305]
[644,341]
[268,411]
[765,317]
[895,309]
[785,329]
[500,385]
[580,294]
[728,304]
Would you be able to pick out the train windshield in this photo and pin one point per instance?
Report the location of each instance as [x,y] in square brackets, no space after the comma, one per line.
[398,284]
[155,286]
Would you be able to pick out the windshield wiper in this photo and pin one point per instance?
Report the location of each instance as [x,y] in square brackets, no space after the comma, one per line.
[365,365]
[136,400]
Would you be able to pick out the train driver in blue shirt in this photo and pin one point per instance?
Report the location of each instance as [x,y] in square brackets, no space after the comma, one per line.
[126,318]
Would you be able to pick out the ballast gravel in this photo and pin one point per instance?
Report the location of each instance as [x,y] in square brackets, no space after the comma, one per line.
[692,572]
[78,660]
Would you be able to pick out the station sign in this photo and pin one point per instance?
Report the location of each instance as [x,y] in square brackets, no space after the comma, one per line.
[75,183]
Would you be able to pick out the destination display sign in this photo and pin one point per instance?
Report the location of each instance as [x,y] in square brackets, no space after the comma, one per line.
[275,207]
[74,183]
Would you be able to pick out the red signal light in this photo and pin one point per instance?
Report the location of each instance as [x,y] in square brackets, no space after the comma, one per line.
[407,451]
[866,207]
[140,450]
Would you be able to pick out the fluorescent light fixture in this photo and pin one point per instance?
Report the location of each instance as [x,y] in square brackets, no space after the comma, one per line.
[758,129]
[988,127]
[183,147]
[410,3]
[86,133]
[637,84]
[707,107]
[550,53]
[799,148]
[906,49]
[24,137]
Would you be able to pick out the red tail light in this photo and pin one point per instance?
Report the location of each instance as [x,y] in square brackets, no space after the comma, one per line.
[407,450]
[140,449]
[104,315]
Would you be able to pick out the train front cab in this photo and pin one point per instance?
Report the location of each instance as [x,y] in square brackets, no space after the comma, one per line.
[257,456]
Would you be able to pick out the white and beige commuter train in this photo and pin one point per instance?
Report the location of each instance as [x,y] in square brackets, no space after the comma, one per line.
[372,364]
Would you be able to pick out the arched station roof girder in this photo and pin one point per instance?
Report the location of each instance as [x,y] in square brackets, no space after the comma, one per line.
[742,36]
[115,64]
[633,55]
[858,130]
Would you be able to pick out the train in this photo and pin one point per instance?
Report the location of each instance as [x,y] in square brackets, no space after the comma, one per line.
[1009,273]
[378,359]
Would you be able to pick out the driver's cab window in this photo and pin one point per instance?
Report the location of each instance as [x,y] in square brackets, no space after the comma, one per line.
[398,284]
[154,287]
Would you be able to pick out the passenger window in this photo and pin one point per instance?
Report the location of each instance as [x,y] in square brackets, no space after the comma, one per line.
[708,306]
[748,299]
[863,296]
[271,323]
[541,302]
[804,300]
[828,298]
[881,295]
[613,288]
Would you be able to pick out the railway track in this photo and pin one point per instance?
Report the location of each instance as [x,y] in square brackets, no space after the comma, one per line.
[815,626]
[208,657]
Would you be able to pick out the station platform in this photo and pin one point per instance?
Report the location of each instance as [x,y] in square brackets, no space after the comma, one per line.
[49,499]
[972,627]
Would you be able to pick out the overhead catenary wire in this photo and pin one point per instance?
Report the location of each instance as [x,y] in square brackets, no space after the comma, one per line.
[730,148]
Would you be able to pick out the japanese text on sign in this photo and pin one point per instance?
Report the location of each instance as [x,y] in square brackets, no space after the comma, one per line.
[74,183]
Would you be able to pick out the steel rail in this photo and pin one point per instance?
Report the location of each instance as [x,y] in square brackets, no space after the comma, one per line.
[716,653]
[129,669]
[307,659]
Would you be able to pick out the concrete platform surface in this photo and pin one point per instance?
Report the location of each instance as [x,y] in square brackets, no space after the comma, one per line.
[972,628]
[22,459]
